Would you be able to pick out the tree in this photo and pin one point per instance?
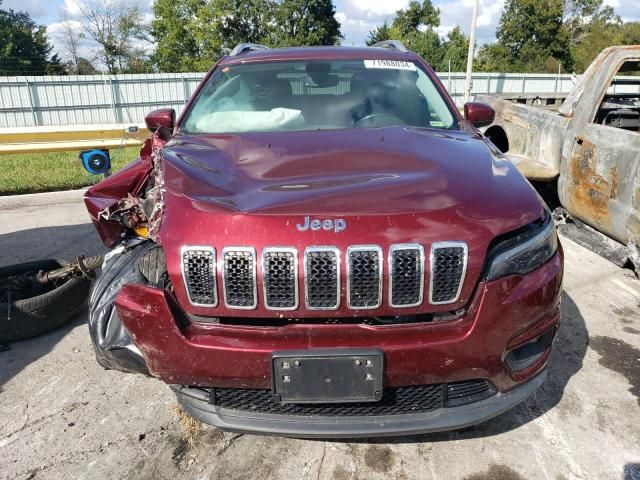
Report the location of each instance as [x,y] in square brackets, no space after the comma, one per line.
[54,66]
[631,33]
[306,22]
[455,50]
[81,66]
[250,21]
[580,15]
[415,27]
[25,48]
[185,40]
[115,27]
[493,57]
[531,37]
[71,38]
[416,15]
[193,34]
[379,34]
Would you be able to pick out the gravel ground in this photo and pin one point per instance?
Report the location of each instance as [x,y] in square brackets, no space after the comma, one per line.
[63,417]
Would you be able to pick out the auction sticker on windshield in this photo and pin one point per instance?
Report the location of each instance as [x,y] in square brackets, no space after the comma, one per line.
[390,64]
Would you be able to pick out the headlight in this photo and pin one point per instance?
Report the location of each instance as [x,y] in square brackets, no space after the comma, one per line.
[523,252]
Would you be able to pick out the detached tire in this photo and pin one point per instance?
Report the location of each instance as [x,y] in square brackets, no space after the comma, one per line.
[29,317]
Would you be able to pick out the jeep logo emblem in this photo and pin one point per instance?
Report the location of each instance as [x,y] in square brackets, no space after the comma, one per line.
[338,225]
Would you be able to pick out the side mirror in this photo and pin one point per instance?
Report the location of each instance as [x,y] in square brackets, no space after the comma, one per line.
[479,114]
[161,121]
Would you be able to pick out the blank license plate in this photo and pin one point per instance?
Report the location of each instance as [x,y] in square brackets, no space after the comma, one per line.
[327,376]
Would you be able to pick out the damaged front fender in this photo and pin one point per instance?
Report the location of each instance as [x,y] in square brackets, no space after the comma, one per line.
[130,200]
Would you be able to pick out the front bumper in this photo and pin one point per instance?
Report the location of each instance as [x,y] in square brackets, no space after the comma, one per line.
[197,405]
[501,315]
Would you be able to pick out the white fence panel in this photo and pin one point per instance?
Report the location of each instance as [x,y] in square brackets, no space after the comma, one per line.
[110,99]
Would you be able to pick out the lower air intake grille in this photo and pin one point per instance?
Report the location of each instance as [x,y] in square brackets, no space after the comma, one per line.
[364,277]
[448,267]
[239,276]
[322,278]
[280,277]
[395,401]
[198,269]
[406,265]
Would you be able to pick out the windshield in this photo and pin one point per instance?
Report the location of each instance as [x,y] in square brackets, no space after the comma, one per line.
[317,95]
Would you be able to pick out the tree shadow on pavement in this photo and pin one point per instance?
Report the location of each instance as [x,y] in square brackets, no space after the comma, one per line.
[60,242]
[566,360]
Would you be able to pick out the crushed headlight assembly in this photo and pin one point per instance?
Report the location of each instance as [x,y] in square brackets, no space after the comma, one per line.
[523,252]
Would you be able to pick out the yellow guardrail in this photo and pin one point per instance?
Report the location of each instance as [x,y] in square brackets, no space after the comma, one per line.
[71,137]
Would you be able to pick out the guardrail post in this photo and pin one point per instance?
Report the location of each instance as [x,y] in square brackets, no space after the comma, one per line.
[31,103]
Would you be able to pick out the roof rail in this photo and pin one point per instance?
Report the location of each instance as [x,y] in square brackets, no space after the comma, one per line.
[246,47]
[392,45]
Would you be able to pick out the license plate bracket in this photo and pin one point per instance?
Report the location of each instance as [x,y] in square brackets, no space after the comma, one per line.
[327,375]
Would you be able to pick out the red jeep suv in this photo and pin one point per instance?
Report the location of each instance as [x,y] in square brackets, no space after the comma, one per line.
[322,246]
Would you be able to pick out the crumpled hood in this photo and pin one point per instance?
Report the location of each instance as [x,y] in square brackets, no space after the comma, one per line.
[382,171]
[382,186]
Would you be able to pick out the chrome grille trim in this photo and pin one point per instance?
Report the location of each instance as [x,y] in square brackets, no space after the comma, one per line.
[213,278]
[465,256]
[364,248]
[252,251]
[400,247]
[313,249]
[294,253]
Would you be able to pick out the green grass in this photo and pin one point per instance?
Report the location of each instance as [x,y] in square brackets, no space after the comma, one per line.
[47,172]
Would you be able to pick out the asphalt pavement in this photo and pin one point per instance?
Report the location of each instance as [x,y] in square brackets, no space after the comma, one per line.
[63,417]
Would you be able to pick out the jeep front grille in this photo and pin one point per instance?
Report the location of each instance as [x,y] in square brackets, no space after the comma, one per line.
[280,278]
[406,275]
[448,269]
[239,277]
[364,277]
[199,273]
[322,278]
[364,266]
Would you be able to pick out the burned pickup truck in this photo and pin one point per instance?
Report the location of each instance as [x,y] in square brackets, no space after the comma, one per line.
[322,246]
[587,143]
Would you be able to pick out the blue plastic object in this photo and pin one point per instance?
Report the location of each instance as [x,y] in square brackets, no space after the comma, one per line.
[96,162]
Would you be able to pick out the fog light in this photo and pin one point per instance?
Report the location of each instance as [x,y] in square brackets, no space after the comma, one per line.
[526,355]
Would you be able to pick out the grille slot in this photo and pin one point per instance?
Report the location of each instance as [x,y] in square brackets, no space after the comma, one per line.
[364,277]
[199,273]
[280,278]
[406,275]
[322,278]
[239,277]
[448,269]
[469,391]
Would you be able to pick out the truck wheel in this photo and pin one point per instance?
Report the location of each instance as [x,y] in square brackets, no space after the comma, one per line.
[28,308]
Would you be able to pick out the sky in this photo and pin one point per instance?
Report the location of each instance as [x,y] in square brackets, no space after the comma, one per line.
[357,17]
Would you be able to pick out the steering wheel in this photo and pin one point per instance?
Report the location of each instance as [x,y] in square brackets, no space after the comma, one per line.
[378,120]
